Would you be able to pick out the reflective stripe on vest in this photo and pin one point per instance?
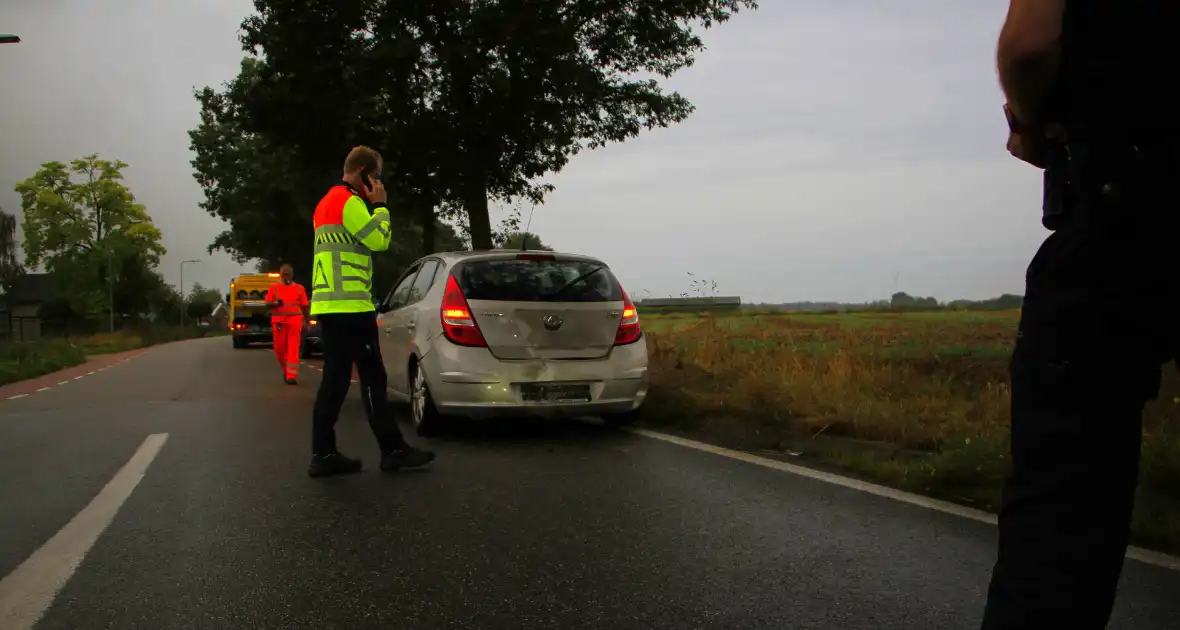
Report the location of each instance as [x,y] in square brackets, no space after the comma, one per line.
[342,265]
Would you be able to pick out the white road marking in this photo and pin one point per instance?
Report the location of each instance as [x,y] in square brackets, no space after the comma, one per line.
[17,396]
[1135,553]
[63,382]
[27,592]
[78,378]
[43,389]
[89,373]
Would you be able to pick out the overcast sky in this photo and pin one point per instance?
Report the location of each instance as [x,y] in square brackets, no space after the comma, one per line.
[841,150]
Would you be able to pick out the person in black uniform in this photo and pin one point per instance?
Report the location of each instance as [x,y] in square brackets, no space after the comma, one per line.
[1090,100]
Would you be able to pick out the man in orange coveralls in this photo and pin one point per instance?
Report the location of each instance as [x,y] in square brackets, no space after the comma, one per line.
[288,310]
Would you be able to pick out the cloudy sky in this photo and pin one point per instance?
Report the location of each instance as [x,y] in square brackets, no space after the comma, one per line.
[841,150]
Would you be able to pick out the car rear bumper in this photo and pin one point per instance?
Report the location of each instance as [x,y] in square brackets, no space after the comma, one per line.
[469,382]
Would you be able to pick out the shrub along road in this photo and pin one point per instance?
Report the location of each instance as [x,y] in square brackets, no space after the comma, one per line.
[175,482]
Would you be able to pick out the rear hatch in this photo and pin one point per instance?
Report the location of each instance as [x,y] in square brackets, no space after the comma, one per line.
[541,306]
[249,302]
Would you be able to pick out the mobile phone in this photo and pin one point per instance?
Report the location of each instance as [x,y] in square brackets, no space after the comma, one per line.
[366,180]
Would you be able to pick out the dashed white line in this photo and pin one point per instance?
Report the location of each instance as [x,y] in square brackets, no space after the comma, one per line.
[89,373]
[78,378]
[44,389]
[63,382]
[17,396]
[27,592]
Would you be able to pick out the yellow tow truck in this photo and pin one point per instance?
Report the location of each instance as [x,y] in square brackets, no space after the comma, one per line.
[249,319]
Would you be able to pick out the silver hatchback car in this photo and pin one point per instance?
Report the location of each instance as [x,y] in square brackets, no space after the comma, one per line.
[512,333]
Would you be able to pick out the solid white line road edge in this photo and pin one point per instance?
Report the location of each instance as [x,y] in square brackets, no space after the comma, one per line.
[27,592]
[1145,556]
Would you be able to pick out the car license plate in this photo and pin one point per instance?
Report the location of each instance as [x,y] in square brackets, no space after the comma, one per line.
[554,392]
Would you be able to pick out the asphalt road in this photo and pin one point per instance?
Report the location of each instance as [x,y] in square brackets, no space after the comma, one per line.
[520,526]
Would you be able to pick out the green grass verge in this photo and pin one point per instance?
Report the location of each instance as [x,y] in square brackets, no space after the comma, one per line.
[25,360]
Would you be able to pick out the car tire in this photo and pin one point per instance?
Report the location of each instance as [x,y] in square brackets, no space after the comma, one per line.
[238,345]
[620,420]
[428,422]
[304,351]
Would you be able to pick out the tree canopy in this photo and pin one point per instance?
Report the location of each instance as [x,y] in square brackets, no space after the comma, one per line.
[82,224]
[201,301]
[467,100]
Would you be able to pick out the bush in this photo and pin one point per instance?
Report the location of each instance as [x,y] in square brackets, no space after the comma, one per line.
[25,360]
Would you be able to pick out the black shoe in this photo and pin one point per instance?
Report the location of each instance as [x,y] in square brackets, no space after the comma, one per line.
[334,464]
[291,381]
[405,457]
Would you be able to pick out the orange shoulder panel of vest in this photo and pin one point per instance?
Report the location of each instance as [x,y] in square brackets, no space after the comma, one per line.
[330,210]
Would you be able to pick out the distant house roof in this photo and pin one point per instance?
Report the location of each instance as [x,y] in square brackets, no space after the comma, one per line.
[34,288]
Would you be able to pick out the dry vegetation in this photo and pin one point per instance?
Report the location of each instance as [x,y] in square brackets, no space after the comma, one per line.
[914,400]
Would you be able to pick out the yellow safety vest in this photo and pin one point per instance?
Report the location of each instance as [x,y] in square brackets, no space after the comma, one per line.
[346,235]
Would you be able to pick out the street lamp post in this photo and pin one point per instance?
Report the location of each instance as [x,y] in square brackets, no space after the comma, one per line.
[182,298]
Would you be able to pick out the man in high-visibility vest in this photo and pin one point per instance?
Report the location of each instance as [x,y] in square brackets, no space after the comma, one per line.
[352,222]
[288,306]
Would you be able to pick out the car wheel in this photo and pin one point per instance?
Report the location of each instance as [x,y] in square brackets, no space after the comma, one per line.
[304,351]
[619,420]
[427,421]
[237,344]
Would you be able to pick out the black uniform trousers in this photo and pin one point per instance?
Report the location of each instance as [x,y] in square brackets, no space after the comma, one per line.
[1100,320]
[348,339]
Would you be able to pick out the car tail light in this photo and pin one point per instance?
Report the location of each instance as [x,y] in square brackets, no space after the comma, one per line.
[629,331]
[458,324]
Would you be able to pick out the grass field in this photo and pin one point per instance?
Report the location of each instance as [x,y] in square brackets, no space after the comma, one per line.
[918,401]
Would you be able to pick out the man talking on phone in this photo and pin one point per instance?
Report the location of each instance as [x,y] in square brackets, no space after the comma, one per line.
[352,222]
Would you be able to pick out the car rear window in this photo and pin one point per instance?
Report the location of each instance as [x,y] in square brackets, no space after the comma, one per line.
[530,280]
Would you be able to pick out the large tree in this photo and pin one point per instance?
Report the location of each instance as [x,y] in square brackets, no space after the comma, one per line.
[520,86]
[265,183]
[467,99]
[83,225]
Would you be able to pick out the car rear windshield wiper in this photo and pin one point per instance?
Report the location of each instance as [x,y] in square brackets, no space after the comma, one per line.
[564,287]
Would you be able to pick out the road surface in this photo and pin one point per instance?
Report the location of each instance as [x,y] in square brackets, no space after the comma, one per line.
[192,457]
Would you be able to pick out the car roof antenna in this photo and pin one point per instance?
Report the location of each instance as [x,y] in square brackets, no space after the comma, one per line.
[524,241]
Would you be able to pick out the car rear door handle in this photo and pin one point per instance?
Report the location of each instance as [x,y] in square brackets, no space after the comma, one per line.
[411,325]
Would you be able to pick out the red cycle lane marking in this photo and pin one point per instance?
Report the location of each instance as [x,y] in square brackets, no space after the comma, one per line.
[46,382]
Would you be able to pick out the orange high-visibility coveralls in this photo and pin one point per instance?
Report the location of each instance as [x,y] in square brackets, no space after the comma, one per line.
[286,321]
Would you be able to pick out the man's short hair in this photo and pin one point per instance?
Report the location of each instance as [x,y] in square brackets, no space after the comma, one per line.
[286,266]
[362,157]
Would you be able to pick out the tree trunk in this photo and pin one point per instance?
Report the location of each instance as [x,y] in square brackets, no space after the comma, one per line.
[426,216]
[475,202]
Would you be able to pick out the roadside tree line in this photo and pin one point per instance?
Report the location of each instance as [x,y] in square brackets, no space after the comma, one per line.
[86,230]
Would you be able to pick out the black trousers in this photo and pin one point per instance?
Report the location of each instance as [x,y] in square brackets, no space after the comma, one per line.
[1098,323]
[348,339]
